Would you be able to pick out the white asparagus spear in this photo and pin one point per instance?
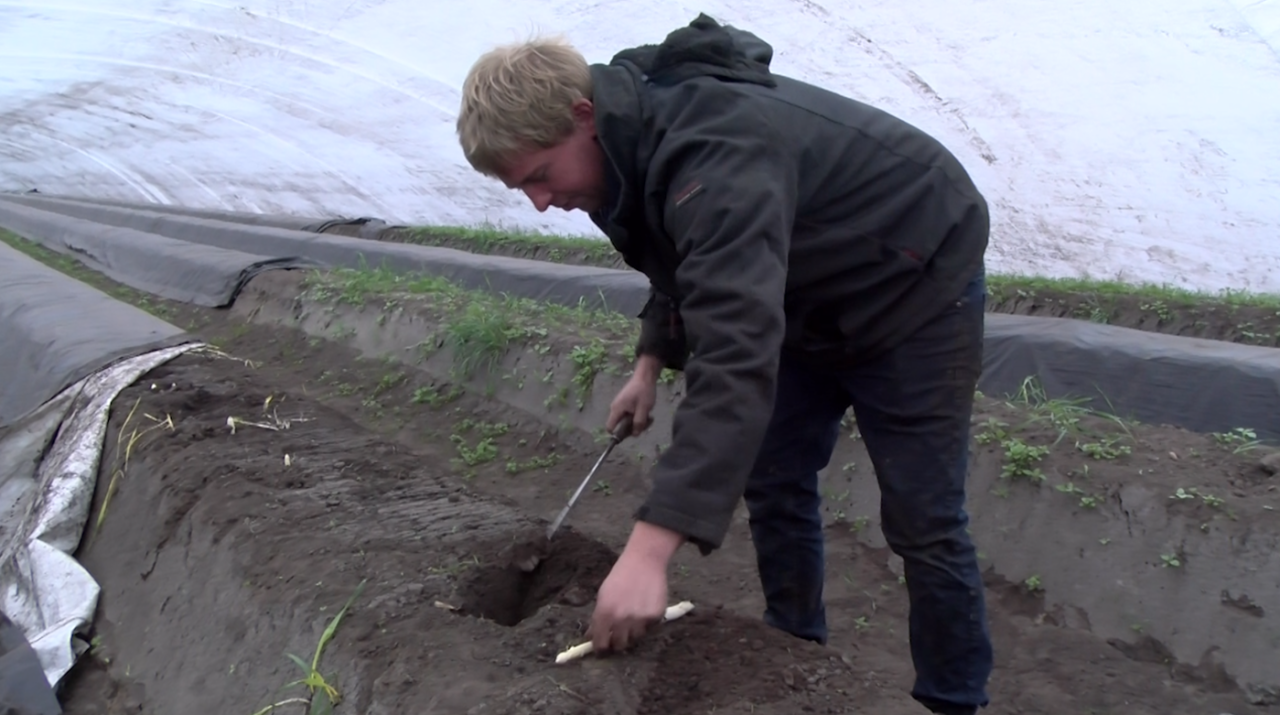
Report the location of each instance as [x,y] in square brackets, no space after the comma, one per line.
[583,649]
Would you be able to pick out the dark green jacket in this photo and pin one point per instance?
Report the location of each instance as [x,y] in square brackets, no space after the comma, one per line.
[768,215]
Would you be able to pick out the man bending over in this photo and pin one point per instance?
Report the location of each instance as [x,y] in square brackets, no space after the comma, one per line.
[807,253]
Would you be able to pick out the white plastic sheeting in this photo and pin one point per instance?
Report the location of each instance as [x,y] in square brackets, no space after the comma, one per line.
[1119,140]
[45,497]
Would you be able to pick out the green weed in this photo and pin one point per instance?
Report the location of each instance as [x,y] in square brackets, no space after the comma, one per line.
[1020,460]
[434,397]
[1238,440]
[588,361]
[1087,500]
[515,466]
[1104,449]
[484,451]
[1062,414]
[992,430]
[479,327]
[321,695]
[1192,493]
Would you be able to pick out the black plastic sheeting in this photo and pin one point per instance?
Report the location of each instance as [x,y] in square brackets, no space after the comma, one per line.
[23,687]
[55,330]
[1202,385]
[591,287]
[40,200]
[144,217]
[177,270]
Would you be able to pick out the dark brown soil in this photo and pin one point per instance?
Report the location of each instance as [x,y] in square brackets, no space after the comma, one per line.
[216,559]
[1209,319]
[716,641]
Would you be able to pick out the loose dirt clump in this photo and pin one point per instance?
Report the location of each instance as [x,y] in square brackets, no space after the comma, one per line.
[699,668]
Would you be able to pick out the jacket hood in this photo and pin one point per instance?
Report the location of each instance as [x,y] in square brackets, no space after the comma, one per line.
[704,48]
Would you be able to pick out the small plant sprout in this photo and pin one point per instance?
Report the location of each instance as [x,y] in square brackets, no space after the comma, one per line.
[1021,459]
[1238,440]
[321,695]
[1192,493]
[992,430]
[1170,561]
[1033,584]
[1087,500]
[1104,449]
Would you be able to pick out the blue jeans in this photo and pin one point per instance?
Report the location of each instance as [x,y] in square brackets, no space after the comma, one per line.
[913,406]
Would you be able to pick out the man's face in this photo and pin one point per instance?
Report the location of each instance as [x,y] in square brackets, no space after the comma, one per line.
[567,176]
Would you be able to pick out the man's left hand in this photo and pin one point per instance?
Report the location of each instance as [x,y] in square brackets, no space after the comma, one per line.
[634,595]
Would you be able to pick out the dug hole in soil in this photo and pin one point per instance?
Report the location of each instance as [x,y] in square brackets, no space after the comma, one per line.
[216,557]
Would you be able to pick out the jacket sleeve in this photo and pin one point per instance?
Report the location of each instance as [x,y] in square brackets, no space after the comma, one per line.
[729,210]
[662,331]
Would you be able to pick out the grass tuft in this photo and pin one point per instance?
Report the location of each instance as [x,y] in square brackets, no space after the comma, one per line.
[497,240]
[1159,296]
[479,327]
[595,251]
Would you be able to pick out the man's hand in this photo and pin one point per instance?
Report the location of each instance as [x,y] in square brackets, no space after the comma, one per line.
[634,596]
[637,397]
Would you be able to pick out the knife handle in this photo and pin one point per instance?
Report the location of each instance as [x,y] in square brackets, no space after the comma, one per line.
[623,430]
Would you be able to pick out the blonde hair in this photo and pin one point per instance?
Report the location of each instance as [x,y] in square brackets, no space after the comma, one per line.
[517,97]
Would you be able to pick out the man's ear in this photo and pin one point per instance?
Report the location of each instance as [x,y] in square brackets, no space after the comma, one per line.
[584,113]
